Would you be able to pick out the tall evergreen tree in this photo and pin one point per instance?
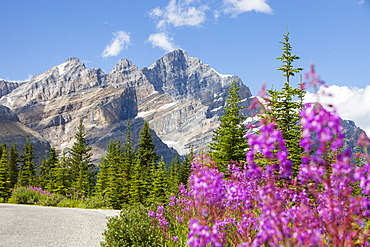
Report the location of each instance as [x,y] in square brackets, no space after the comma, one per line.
[159,185]
[83,170]
[284,106]
[46,169]
[110,174]
[185,168]
[137,185]
[229,142]
[4,177]
[145,163]
[128,164]
[27,173]
[13,165]
[145,153]
[61,182]
[174,175]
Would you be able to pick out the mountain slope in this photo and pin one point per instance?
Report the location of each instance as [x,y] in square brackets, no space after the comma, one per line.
[12,131]
[181,97]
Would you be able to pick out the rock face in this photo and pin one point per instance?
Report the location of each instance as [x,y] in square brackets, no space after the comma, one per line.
[7,86]
[352,133]
[12,131]
[181,97]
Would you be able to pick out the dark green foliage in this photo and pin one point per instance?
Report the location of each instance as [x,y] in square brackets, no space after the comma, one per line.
[60,177]
[137,188]
[145,154]
[159,186]
[83,170]
[229,142]
[47,167]
[132,228]
[174,176]
[27,174]
[110,176]
[4,176]
[13,165]
[284,106]
[115,174]
[128,164]
[287,58]
[185,168]
[145,164]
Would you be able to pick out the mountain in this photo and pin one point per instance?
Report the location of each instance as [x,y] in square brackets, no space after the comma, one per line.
[12,131]
[181,97]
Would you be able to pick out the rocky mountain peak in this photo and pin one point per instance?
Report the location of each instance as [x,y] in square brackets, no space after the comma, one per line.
[175,60]
[123,65]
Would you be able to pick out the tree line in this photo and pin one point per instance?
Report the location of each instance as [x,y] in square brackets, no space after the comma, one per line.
[126,175]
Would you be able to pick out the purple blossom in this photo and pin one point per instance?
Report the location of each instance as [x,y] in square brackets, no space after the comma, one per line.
[265,144]
[202,235]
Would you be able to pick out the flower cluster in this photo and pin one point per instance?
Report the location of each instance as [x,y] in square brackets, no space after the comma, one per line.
[271,145]
[260,203]
[322,131]
[44,192]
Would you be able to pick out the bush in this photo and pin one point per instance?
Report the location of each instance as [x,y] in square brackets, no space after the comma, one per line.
[93,202]
[68,203]
[50,199]
[132,227]
[23,195]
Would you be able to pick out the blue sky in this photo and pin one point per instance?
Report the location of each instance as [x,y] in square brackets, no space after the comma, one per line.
[238,37]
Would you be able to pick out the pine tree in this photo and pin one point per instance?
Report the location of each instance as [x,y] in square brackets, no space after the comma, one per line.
[127,167]
[4,177]
[46,169]
[137,185]
[61,182]
[159,185]
[146,158]
[145,153]
[3,147]
[174,175]
[229,142]
[185,168]
[27,174]
[13,165]
[110,174]
[83,170]
[284,106]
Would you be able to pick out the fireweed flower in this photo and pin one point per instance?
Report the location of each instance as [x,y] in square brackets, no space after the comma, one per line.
[270,144]
[313,79]
[207,186]
[253,207]
[202,235]
[321,131]
[39,190]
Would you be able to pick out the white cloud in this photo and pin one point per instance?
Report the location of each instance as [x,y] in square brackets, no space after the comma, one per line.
[162,41]
[236,7]
[179,13]
[361,2]
[120,41]
[351,103]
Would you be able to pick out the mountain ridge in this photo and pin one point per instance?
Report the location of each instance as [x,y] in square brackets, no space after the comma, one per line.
[181,98]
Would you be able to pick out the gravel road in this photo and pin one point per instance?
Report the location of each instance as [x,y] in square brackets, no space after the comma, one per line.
[26,225]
